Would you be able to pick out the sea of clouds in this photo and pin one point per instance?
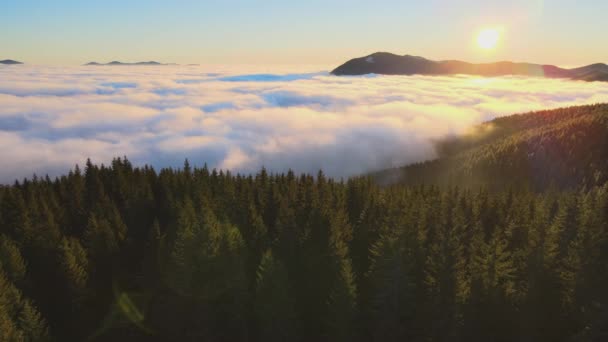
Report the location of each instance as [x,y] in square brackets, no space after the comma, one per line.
[52,118]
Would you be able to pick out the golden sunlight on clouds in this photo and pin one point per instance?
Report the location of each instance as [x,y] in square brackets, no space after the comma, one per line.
[52,117]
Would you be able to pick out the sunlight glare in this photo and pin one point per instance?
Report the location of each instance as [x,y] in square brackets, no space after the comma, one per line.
[488,38]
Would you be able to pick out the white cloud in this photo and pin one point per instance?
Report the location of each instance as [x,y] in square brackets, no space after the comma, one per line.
[52,118]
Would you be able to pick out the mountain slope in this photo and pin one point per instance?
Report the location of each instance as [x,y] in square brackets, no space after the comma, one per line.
[566,148]
[391,64]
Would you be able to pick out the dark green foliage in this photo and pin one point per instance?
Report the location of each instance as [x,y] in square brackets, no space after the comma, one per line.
[565,147]
[11,261]
[274,303]
[393,299]
[122,253]
[19,320]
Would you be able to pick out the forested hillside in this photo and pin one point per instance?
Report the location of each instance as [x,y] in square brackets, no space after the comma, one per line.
[564,148]
[121,253]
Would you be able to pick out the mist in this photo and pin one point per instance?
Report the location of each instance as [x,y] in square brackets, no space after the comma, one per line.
[52,118]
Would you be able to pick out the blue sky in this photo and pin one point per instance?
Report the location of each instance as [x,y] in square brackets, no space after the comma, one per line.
[565,32]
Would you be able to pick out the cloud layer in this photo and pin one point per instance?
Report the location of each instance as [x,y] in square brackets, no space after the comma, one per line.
[54,117]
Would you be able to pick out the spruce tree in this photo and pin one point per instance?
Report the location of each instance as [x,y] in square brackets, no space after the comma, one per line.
[342,300]
[11,261]
[393,297]
[274,303]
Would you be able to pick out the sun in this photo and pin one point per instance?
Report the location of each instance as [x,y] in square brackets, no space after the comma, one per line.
[488,38]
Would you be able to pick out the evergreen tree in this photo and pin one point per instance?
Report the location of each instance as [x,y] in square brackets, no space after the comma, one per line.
[15,218]
[126,253]
[19,320]
[74,267]
[342,299]
[443,270]
[393,291]
[274,303]
[11,261]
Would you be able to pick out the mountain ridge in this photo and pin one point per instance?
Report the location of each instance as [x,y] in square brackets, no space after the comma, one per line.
[123,63]
[386,63]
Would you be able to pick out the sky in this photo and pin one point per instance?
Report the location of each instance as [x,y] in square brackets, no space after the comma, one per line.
[259,93]
[312,32]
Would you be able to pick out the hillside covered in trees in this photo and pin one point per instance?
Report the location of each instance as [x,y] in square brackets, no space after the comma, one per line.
[459,252]
[564,148]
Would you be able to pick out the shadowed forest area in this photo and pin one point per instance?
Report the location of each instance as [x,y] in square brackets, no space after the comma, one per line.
[503,238]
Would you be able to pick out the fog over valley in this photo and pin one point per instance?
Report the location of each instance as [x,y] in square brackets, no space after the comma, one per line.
[241,119]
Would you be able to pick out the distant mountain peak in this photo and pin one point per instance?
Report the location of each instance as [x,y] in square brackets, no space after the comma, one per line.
[10,61]
[387,63]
